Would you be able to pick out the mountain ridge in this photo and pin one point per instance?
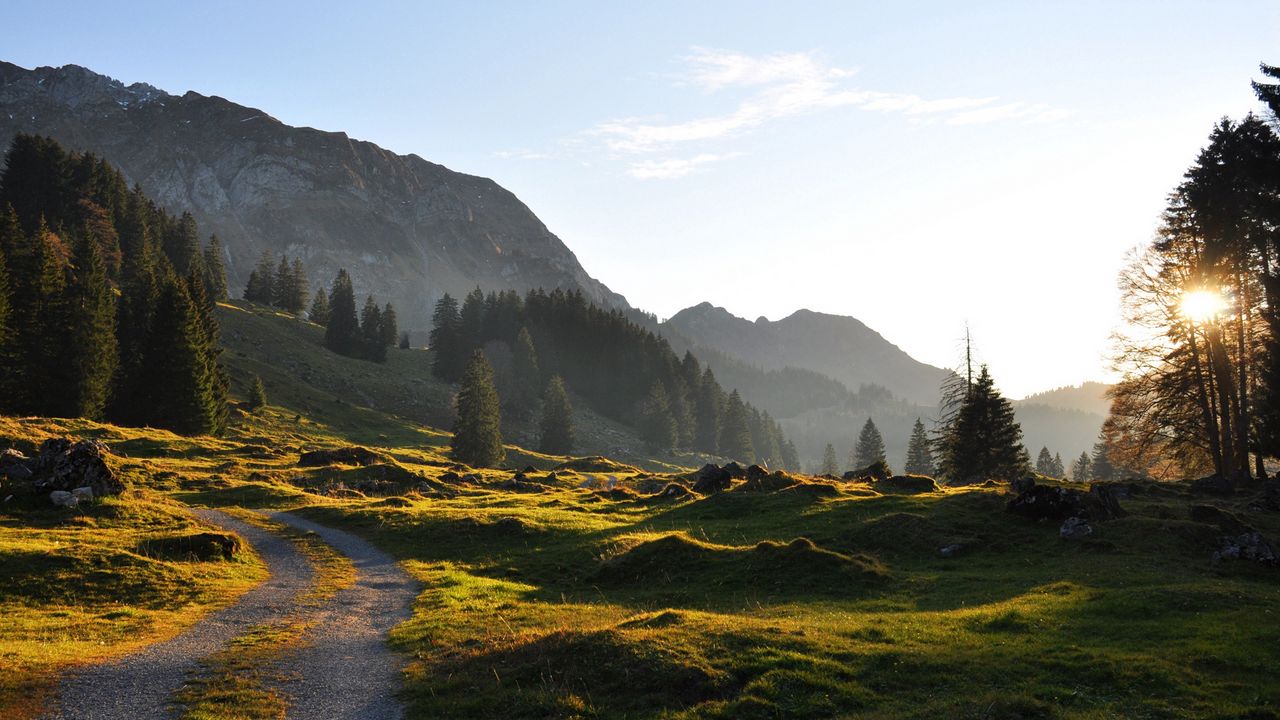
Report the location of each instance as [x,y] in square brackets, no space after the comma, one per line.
[407,229]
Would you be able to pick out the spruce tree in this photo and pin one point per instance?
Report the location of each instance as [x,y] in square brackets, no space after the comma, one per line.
[735,434]
[984,441]
[283,284]
[215,271]
[657,427]
[210,344]
[1080,469]
[404,341]
[1100,465]
[790,456]
[919,458]
[319,313]
[371,339]
[707,408]
[477,438]
[261,287]
[49,371]
[390,329]
[181,394]
[91,311]
[257,393]
[556,425]
[526,377]
[1044,462]
[1059,470]
[446,340]
[830,466]
[342,332]
[870,449]
[182,244]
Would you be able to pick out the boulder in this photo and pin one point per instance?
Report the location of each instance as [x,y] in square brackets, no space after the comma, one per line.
[878,470]
[673,490]
[14,465]
[950,551]
[1249,546]
[66,464]
[1216,516]
[755,472]
[62,498]
[908,484]
[82,494]
[712,479]
[1075,528]
[1021,485]
[350,455]
[735,470]
[203,546]
[1048,502]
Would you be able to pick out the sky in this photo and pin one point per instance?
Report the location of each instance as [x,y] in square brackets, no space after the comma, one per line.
[921,166]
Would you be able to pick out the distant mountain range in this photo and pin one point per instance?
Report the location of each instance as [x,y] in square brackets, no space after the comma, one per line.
[408,230]
[1089,397]
[839,347]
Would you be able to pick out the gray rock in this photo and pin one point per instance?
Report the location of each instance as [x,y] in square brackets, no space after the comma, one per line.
[65,464]
[14,465]
[62,498]
[951,550]
[1075,528]
[82,494]
[1249,546]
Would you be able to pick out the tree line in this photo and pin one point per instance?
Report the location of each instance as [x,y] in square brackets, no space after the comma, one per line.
[1201,365]
[106,300]
[626,372]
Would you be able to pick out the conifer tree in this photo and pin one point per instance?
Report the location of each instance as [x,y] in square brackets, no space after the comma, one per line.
[1044,462]
[477,438]
[707,410]
[984,441]
[1100,464]
[372,345]
[282,285]
[919,458]
[735,434]
[404,341]
[1080,469]
[257,393]
[526,377]
[390,329]
[210,344]
[261,287]
[319,313]
[182,244]
[292,288]
[830,465]
[681,412]
[870,449]
[6,311]
[181,395]
[791,456]
[446,340]
[50,372]
[1059,470]
[472,323]
[342,332]
[92,314]
[556,425]
[657,427]
[215,271]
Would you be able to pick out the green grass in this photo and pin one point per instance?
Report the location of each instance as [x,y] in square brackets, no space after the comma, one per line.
[793,599]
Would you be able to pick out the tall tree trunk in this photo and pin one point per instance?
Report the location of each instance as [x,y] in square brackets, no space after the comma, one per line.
[1203,394]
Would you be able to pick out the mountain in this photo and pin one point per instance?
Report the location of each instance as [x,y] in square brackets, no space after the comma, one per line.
[839,347]
[408,230]
[1089,397]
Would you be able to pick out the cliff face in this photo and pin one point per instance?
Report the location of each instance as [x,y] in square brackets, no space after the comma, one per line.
[406,229]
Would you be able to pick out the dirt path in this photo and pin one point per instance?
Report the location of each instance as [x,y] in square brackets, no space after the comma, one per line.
[344,669]
[139,686]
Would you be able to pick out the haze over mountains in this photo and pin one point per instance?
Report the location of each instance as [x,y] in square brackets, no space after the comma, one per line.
[408,230]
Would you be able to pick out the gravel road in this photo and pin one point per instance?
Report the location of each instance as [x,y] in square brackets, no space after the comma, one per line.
[345,669]
[139,686]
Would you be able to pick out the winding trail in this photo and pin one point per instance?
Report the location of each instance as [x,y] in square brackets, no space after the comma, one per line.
[139,686]
[342,670]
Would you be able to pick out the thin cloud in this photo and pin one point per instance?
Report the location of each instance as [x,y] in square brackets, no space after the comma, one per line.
[672,168]
[522,154]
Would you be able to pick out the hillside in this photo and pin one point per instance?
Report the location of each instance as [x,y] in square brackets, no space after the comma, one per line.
[407,229]
[1089,397]
[839,347]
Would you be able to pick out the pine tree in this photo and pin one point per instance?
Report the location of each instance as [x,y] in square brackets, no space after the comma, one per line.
[181,395]
[791,456]
[829,464]
[1044,462]
[870,448]
[1100,465]
[657,427]
[214,375]
[446,340]
[215,271]
[477,439]
[404,341]
[6,311]
[291,288]
[984,441]
[319,313]
[49,373]
[92,313]
[257,394]
[526,377]
[1081,468]
[342,332]
[919,458]
[182,245]
[261,287]
[390,326]
[556,426]
[706,414]
[372,345]
[735,434]
[1058,469]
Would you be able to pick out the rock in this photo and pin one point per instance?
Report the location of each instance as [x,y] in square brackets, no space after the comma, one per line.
[735,470]
[64,464]
[909,484]
[350,455]
[1118,490]
[552,476]
[952,550]
[204,546]
[755,472]
[82,494]
[712,479]
[878,470]
[1075,528]
[1213,485]
[673,490]
[1216,516]
[1048,502]
[1247,546]
[450,477]
[14,465]
[62,498]
[1021,485]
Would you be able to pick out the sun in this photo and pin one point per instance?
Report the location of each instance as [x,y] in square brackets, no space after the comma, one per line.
[1201,306]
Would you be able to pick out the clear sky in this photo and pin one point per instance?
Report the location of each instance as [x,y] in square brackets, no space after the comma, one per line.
[915,165]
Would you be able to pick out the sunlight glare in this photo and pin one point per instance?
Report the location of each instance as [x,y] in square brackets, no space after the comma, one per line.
[1201,306]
